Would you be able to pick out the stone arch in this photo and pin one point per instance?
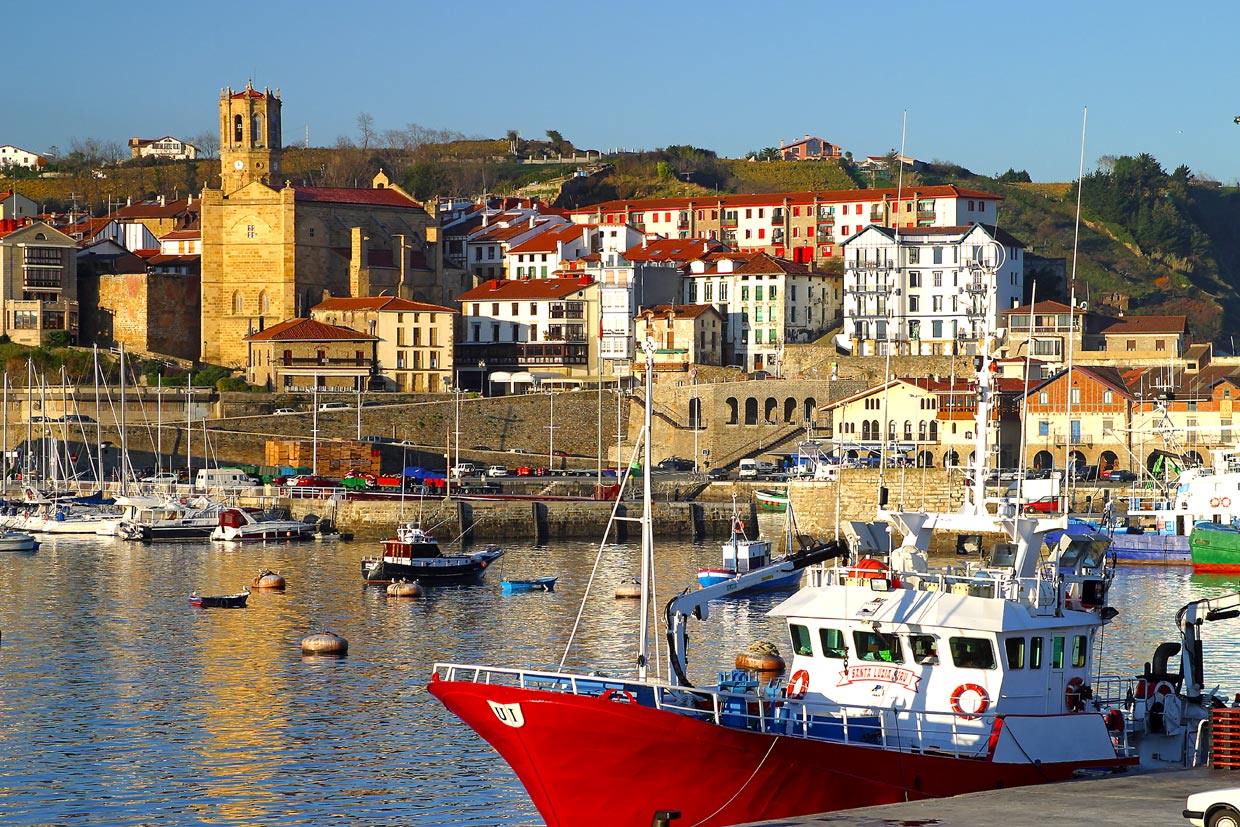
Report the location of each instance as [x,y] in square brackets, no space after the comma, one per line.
[264,303]
[751,411]
[922,430]
[1193,458]
[1043,460]
[934,430]
[733,410]
[925,459]
[866,434]
[695,412]
[811,409]
[1107,460]
[951,459]
[908,431]
[1078,460]
[238,304]
[790,410]
[770,409]
[238,129]
[256,133]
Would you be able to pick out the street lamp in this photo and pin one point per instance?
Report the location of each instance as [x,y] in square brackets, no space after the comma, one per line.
[695,414]
[551,433]
[482,368]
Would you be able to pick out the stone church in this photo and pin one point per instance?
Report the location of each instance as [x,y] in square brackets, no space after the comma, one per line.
[272,249]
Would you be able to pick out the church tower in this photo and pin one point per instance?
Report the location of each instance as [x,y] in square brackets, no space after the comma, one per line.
[250,137]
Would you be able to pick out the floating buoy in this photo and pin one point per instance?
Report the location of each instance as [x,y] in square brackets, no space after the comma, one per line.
[324,643]
[762,656]
[629,589]
[404,588]
[268,579]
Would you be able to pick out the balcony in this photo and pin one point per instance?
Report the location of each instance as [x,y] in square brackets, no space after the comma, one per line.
[825,219]
[552,353]
[568,314]
[682,224]
[777,217]
[728,222]
[325,361]
[925,213]
[824,238]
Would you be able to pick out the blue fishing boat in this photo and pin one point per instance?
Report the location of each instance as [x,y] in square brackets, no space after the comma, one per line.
[536,584]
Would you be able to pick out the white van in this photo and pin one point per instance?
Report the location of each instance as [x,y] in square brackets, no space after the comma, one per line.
[334,406]
[749,468]
[210,479]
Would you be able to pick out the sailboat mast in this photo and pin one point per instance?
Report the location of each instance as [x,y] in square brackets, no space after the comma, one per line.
[98,425]
[647,575]
[189,426]
[124,439]
[29,416]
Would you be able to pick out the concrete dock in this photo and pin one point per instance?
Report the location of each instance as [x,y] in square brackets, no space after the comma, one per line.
[1153,798]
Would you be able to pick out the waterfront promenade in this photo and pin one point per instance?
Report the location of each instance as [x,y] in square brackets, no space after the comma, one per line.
[1153,798]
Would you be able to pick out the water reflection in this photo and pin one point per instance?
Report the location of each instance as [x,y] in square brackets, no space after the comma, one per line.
[121,705]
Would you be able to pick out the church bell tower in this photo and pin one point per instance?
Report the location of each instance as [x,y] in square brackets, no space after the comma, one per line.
[249,137]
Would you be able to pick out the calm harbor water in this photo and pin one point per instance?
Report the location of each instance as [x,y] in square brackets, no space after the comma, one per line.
[121,705]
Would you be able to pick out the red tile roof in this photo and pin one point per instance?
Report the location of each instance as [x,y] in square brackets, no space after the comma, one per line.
[177,234]
[525,289]
[308,330]
[545,242]
[683,311]
[376,197]
[1122,325]
[673,249]
[762,264]
[154,209]
[379,303]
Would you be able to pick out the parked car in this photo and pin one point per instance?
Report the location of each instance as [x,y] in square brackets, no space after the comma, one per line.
[675,464]
[76,418]
[1118,475]
[164,478]
[1214,808]
[370,403]
[373,438]
[1089,473]
[283,411]
[497,471]
[310,481]
[1042,505]
[717,474]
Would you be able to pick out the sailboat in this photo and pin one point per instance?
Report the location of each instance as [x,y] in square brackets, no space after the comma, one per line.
[906,683]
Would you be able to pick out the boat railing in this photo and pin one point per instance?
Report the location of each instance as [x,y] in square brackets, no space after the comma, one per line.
[1040,593]
[749,705]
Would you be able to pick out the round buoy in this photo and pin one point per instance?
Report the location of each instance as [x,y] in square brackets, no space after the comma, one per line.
[403,588]
[762,656]
[268,579]
[629,589]
[324,643]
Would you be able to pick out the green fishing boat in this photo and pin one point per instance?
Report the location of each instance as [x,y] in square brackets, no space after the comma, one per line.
[1215,548]
[770,500]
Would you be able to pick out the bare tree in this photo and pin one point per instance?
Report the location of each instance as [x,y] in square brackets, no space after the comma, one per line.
[208,143]
[366,129]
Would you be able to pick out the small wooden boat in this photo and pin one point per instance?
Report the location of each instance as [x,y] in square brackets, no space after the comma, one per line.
[219,601]
[536,584]
[768,499]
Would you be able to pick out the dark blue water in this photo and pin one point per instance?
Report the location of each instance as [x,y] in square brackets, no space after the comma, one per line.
[121,705]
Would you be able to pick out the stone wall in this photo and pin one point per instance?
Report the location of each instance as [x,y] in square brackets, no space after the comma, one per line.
[150,313]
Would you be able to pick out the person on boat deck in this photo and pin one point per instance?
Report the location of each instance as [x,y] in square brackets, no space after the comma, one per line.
[925,650]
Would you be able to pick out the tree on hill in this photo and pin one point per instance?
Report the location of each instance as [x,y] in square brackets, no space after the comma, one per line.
[769,153]
[558,145]
[1014,177]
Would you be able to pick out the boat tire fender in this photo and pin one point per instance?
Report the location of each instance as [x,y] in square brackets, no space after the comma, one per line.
[798,685]
[983,701]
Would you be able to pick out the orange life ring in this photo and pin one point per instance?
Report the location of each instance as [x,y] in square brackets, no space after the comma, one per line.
[1225,502]
[983,701]
[1114,720]
[798,684]
[1215,502]
[617,694]
[1073,696]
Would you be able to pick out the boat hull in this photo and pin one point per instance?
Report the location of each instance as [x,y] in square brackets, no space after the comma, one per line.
[1215,550]
[223,601]
[449,570]
[713,775]
[538,584]
[776,582]
[774,501]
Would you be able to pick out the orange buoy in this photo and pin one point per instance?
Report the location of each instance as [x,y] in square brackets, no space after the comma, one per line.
[404,588]
[268,579]
[324,643]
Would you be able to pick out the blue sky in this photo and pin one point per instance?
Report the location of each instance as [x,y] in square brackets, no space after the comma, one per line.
[985,85]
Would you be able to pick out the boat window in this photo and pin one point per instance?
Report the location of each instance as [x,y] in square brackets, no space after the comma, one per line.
[833,643]
[878,646]
[1057,653]
[1015,652]
[1035,653]
[925,649]
[972,653]
[1078,650]
[801,643]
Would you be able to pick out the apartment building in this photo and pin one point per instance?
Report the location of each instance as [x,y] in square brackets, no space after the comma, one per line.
[927,290]
[304,354]
[167,148]
[415,339]
[526,332]
[1051,330]
[802,226]
[38,283]
[681,335]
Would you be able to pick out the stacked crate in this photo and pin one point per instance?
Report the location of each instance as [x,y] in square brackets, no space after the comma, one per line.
[1225,738]
[335,458]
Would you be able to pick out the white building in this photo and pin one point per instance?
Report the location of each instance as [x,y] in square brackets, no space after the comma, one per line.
[557,247]
[166,147]
[15,156]
[767,302]
[925,290]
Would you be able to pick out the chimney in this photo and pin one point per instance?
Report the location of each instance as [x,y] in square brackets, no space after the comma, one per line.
[781,143]
[163,202]
[359,272]
[189,201]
